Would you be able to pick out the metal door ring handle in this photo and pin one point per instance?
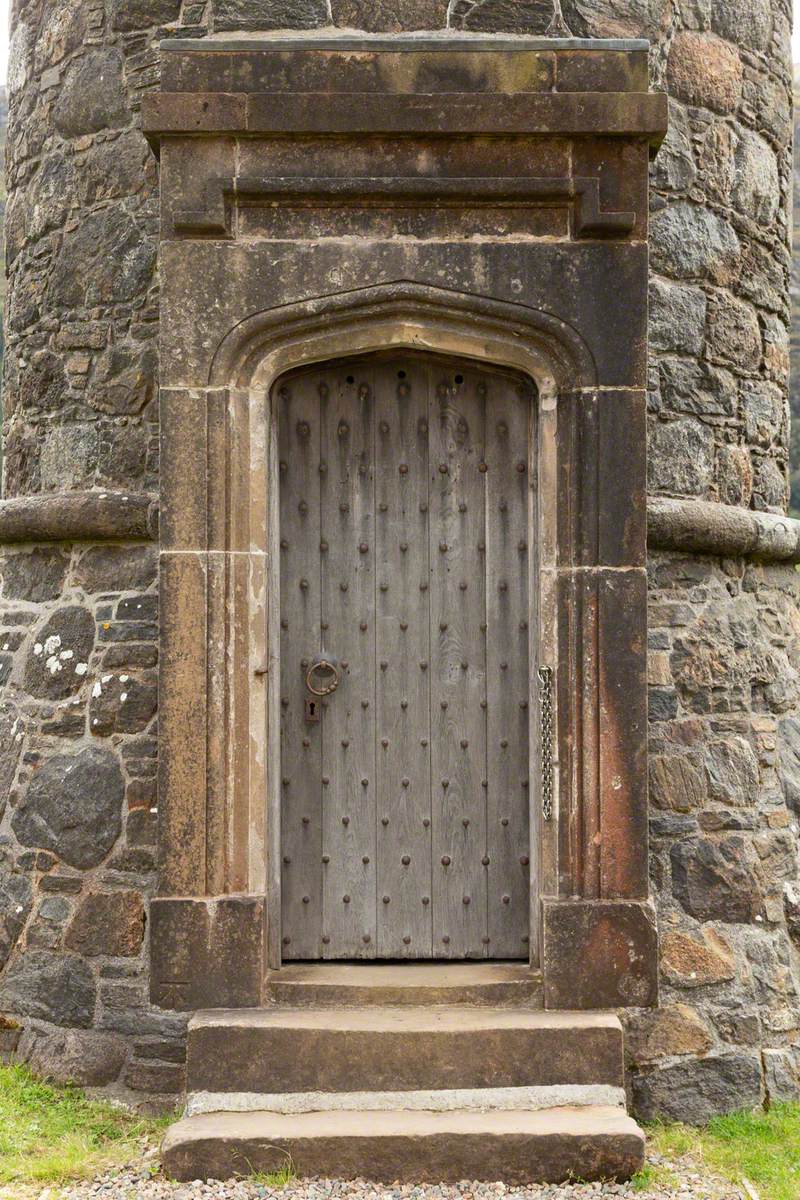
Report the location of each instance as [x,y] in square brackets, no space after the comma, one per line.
[326,667]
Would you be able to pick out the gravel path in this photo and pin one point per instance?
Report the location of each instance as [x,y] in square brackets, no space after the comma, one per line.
[139,1183]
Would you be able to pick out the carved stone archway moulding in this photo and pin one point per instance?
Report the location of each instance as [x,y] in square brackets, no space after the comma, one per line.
[335,271]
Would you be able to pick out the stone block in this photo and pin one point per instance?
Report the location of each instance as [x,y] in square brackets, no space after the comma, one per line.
[110,923]
[54,987]
[665,1032]
[697,1090]
[59,653]
[66,1056]
[73,806]
[599,954]
[718,880]
[269,14]
[389,16]
[705,71]
[675,783]
[207,953]
[689,242]
[92,95]
[681,457]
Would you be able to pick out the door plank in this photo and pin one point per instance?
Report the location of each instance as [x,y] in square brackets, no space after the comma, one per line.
[347,556]
[301,744]
[458,682]
[507,682]
[403,655]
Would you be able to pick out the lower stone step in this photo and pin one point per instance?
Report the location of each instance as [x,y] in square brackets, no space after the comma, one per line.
[550,1145]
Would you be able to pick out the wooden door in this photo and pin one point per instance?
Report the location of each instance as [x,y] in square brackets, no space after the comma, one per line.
[405,496]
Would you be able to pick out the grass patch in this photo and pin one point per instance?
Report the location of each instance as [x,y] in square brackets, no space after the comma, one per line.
[54,1135]
[273,1179]
[761,1147]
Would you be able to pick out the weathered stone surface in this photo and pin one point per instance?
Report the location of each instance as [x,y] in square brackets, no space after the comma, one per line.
[734,475]
[127,15]
[675,168]
[34,575]
[67,1056]
[734,334]
[789,743]
[125,567]
[509,16]
[16,900]
[106,259]
[681,458]
[109,923]
[770,485]
[756,187]
[42,383]
[704,70]
[694,1092]
[718,880]
[615,18]
[53,987]
[675,783]
[762,406]
[124,378]
[92,95]
[732,772]
[672,1030]
[59,653]
[73,807]
[692,962]
[269,14]
[746,22]
[389,16]
[677,317]
[122,704]
[691,242]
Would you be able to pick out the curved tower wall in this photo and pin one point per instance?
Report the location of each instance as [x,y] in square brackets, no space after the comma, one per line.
[79,616]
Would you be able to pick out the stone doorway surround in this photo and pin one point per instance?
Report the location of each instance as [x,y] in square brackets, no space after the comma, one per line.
[482,197]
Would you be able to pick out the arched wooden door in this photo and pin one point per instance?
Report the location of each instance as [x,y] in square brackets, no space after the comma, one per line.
[405,561]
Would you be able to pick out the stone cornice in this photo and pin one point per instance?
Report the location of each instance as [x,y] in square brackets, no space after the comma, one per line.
[79,516]
[700,527]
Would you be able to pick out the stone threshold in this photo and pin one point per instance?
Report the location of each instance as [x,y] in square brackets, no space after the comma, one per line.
[508,1099]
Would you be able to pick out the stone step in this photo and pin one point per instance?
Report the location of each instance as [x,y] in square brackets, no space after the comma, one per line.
[426,1147]
[280,1049]
[319,985]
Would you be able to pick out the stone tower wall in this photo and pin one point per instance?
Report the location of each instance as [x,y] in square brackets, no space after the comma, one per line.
[78,621]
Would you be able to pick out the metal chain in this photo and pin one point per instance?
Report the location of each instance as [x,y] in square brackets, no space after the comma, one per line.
[546,716]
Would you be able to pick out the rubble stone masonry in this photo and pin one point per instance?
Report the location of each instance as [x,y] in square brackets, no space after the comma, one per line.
[78,619]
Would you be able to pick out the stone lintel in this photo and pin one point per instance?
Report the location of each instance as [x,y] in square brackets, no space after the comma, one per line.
[79,516]
[599,954]
[573,114]
[207,953]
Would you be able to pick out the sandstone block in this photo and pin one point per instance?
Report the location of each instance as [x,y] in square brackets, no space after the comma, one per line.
[663,1032]
[705,71]
[110,923]
[692,962]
